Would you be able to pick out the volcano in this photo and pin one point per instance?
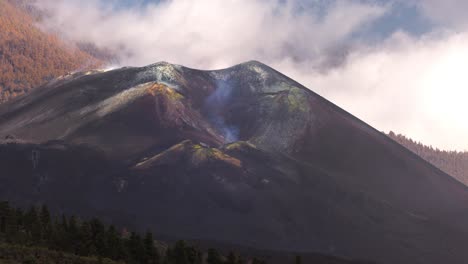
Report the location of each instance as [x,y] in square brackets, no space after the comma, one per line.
[243,155]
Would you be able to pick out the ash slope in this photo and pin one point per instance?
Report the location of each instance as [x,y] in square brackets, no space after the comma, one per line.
[243,155]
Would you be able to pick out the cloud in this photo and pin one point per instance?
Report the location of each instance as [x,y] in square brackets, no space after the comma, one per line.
[409,84]
[415,86]
[446,13]
[211,33]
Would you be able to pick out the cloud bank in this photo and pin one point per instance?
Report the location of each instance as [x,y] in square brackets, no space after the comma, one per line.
[409,84]
[210,33]
[417,87]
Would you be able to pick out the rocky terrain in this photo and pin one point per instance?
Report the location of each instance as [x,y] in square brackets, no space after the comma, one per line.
[242,155]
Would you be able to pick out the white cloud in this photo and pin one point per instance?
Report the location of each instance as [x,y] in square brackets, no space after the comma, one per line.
[415,86]
[445,12]
[212,33]
[411,85]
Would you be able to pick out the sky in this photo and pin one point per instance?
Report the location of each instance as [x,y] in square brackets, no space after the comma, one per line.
[396,64]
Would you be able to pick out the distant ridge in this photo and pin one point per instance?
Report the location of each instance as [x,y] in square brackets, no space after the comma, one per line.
[454,163]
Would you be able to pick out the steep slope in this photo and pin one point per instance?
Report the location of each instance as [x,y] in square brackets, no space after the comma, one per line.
[243,155]
[28,56]
[454,163]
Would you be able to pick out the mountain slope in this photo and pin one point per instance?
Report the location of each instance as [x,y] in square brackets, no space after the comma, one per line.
[452,162]
[28,56]
[243,155]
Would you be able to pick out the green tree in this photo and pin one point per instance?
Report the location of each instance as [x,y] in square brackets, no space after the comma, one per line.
[45,215]
[9,223]
[32,224]
[114,243]
[4,214]
[231,258]
[179,253]
[98,237]
[46,224]
[258,261]
[85,245]
[136,248]
[19,236]
[72,233]
[151,253]
[213,257]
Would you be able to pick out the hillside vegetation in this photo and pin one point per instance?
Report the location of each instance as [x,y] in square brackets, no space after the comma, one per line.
[454,163]
[17,254]
[29,57]
[36,236]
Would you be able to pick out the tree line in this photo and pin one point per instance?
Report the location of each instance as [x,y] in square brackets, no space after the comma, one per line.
[30,57]
[36,227]
[454,163]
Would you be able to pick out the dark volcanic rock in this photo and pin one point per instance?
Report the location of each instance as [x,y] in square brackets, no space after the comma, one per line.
[243,155]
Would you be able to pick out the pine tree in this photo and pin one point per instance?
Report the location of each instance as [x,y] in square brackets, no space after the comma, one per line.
[86,246]
[258,261]
[179,253]
[151,253]
[136,248]
[99,237]
[46,224]
[56,239]
[33,226]
[19,236]
[9,225]
[114,242]
[231,258]
[93,238]
[193,255]
[168,258]
[4,212]
[45,215]
[72,233]
[213,257]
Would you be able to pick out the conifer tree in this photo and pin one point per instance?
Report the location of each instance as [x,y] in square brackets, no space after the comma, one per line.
[114,243]
[258,261]
[86,246]
[72,233]
[33,225]
[4,212]
[94,238]
[9,224]
[179,253]
[46,224]
[231,258]
[151,253]
[136,248]
[213,257]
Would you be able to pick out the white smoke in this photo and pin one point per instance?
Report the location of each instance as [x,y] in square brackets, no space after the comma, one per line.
[411,85]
